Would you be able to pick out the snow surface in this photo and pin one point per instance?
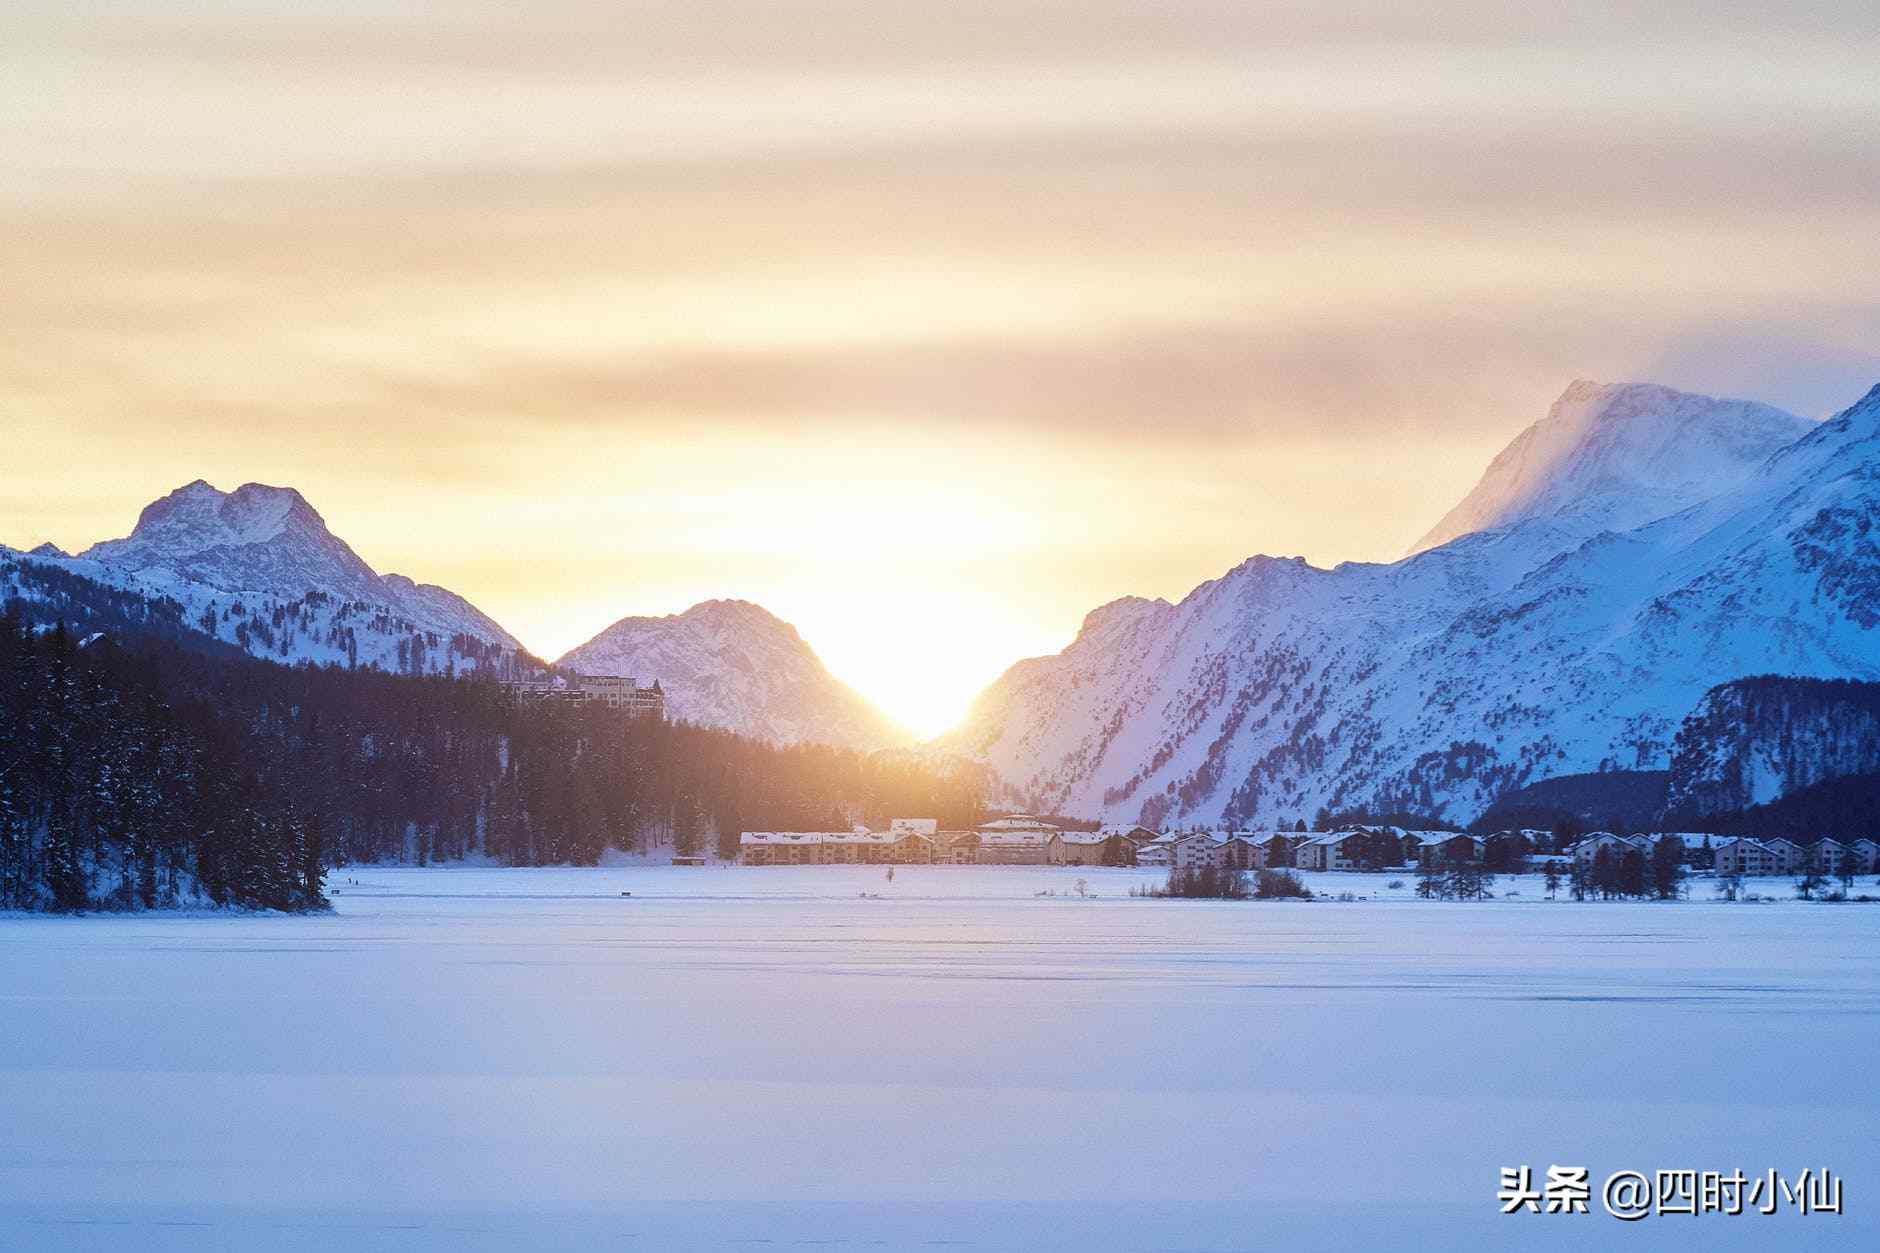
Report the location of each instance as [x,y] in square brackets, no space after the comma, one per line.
[482,1059]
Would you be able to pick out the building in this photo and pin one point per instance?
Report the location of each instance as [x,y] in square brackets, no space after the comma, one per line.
[1788,856]
[1866,854]
[1744,856]
[1450,848]
[613,691]
[1199,850]
[1018,840]
[1245,850]
[1156,852]
[860,847]
[1584,850]
[1020,848]
[1098,848]
[620,692]
[956,848]
[781,848]
[1279,847]
[1335,850]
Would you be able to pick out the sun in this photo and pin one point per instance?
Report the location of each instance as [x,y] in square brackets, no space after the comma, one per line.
[923,668]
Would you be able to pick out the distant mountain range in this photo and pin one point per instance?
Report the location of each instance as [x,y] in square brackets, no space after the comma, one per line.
[1632,550]
[730,663]
[258,569]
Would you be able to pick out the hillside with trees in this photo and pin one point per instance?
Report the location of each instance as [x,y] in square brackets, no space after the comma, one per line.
[139,772]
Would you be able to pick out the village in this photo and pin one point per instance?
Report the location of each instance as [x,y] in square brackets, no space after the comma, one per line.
[1026,840]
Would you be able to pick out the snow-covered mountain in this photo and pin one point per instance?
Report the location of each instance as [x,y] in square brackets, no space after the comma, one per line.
[1616,456]
[732,664]
[1753,740]
[1549,644]
[259,568]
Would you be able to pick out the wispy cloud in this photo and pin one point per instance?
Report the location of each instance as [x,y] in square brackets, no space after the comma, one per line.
[1218,260]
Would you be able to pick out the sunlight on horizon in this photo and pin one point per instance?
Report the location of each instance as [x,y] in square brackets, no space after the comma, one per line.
[929,328]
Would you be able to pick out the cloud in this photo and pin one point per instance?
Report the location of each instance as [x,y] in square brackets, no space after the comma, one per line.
[577,275]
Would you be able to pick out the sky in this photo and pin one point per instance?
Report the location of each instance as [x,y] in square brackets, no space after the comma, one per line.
[928,326]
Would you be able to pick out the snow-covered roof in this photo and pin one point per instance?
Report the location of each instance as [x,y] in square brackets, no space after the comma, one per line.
[800,838]
[1432,837]
[1087,837]
[1016,839]
[1017,822]
[791,837]
[917,826]
[1331,839]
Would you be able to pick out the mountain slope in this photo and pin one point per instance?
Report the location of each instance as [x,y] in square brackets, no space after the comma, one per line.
[732,664]
[1752,741]
[258,567]
[1616,456]
[1538,648]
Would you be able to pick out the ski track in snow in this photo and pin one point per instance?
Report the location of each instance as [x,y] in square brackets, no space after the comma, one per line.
[738,1058]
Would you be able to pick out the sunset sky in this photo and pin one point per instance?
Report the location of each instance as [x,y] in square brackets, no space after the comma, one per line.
[928,326]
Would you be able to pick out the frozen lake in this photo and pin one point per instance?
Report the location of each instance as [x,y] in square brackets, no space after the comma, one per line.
[733,1058]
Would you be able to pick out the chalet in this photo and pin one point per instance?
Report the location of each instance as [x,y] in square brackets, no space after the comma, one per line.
[833,848]
[1337,850]
[1744,856]
[1200,850]
[1450,848]
[1020,848]
[1510,850]
[956,848]
[1098,848]
[1015,823]
[879,848]
[854,847]
[1157,852]
[1866,854]
[1134,834]
[1245,851]
[1018,840]
[781,848]
[1278,847]
[1584,850]
[1415,842]
[1827,855]
[1787,856]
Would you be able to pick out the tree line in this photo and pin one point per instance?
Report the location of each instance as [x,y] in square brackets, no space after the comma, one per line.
[140,771]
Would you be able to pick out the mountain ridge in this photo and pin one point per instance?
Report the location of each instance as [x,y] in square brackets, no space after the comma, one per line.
[733,663]
[1546,644]
[1616,455]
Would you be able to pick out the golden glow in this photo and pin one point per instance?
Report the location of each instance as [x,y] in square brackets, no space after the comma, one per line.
[927,326]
